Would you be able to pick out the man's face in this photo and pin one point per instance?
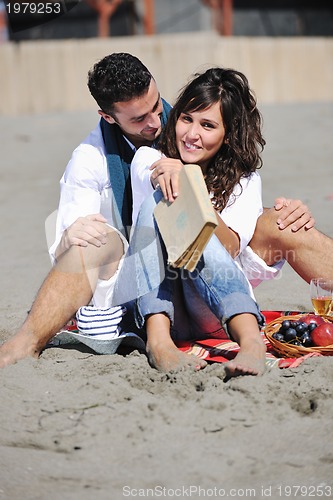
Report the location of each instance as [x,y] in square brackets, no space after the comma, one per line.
[139,118]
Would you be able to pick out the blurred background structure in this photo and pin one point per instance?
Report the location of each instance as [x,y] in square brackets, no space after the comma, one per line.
[285,47]
[92,18]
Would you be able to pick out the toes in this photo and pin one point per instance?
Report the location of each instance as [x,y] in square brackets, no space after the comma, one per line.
[200,364]
[235,370]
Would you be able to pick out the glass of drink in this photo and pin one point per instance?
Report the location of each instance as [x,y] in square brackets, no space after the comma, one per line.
[321,291]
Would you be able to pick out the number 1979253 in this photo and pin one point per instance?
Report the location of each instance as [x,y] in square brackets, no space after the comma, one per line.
[33,8]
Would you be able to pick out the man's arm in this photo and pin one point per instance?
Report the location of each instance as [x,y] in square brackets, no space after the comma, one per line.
[83,188]
[89,230]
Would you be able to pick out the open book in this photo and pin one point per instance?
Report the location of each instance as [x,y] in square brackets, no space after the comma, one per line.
[187,224]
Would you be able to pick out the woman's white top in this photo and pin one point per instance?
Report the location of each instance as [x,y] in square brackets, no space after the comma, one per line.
[240,214]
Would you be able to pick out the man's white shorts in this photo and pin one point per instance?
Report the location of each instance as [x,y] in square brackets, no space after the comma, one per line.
[104,289]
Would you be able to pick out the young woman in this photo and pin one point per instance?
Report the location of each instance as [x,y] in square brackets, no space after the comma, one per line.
[214,123]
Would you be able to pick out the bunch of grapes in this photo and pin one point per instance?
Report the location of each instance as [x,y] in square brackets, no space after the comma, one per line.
[295,332]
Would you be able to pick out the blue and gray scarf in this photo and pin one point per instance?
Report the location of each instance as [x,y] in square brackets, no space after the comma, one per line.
[119,156]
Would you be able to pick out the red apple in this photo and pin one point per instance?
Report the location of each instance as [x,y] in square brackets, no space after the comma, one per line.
[312,318]
[322,335]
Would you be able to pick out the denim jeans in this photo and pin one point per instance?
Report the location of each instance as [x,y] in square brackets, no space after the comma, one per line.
[205,299]
[144,265]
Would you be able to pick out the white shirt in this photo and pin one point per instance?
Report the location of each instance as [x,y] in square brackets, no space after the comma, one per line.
[240,214]
[85,187]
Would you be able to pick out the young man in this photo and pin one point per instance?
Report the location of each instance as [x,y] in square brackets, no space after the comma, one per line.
[95,202]
[95,209]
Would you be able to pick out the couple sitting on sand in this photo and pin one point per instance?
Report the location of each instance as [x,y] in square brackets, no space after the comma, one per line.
[214,123]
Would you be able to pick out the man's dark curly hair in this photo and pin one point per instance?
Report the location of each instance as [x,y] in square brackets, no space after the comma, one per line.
[239,154]
[118,77]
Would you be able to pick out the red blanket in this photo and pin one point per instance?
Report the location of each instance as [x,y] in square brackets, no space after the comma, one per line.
[221,351]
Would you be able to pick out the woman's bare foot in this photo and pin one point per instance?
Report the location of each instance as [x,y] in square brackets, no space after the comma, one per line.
[19,347]
[166,357]
[252,354]
[163,354]
[249,361]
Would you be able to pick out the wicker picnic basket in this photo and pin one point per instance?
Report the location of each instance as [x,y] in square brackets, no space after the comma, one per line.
[288,350]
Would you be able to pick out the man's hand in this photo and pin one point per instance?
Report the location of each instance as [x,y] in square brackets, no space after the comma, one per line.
[89,230]
[166,176]
[293,214]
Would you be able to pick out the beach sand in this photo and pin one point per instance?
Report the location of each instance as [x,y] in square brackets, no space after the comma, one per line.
[79,425]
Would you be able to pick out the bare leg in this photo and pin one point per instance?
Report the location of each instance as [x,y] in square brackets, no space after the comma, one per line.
[309,252]
[251,357]
[68,286]
[162,352]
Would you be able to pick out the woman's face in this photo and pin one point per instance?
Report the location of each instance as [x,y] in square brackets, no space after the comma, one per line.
[199,135]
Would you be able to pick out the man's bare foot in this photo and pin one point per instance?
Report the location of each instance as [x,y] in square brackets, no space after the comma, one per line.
[166,357]
[249,361]
[18,347]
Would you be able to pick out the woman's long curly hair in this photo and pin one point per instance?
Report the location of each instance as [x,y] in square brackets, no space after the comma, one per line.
[239,154]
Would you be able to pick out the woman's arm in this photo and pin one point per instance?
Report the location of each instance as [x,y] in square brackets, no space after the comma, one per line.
[140,177]
[165,174]
[228,237]
[241,213]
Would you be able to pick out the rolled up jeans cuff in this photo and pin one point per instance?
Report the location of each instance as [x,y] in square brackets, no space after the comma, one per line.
[145,306]
[240,303]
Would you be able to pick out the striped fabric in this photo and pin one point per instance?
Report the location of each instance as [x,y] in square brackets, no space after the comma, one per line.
[100,323]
